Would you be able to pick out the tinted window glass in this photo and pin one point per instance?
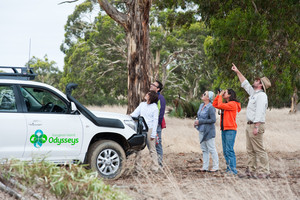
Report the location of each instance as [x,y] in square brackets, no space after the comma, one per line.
[40,100]
[7,99]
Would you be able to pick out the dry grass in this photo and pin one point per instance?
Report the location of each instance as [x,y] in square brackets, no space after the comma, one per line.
[180,179]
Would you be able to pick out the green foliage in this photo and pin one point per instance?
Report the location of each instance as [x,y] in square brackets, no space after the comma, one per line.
[95,58]
[65,182]
[184,109]
[189,72]
[46,70]
[172,15]
[261,38]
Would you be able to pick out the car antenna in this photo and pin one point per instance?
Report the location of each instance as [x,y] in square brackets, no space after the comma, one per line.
[28,65]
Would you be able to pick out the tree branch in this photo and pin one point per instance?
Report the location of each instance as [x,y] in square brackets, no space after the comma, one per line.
[172,57]
[68,2]
[254,5]
[111,11]
[10,191]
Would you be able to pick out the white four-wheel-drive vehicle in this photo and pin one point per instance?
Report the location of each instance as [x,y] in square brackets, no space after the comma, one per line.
[39,121]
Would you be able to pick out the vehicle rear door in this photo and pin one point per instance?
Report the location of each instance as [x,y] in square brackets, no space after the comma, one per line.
[13,127]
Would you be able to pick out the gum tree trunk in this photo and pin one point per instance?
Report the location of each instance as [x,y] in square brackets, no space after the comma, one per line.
[294,101]
[136,24]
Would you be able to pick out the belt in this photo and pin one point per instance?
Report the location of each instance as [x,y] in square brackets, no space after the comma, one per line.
[250,122]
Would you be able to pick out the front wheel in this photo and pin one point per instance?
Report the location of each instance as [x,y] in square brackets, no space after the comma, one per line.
[107,157]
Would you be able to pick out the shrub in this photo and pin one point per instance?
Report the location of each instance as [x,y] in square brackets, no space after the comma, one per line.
[65,182]
[183,109]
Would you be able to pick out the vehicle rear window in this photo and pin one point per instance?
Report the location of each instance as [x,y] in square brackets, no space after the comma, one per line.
[7,99]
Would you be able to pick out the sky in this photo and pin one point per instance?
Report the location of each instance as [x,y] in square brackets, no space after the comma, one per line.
[39,21]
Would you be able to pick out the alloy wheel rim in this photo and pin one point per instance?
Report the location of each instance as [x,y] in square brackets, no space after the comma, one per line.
[108,162]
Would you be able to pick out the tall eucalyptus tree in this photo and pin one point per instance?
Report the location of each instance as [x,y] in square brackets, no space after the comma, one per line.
[133,16]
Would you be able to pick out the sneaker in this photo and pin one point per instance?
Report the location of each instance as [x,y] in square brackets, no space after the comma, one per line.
[160,164]
[154,169]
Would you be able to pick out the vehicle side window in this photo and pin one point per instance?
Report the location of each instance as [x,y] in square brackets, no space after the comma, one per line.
[7,99]
[38,100]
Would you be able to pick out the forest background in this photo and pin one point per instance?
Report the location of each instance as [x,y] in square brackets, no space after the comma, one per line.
[192,45]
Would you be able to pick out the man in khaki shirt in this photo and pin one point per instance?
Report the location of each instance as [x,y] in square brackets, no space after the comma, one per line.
[258,162]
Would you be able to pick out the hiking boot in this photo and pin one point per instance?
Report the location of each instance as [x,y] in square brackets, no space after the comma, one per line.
[247,174]
[263,176]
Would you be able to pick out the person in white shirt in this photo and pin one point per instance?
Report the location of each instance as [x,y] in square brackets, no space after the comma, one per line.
[149,111]
[258,162]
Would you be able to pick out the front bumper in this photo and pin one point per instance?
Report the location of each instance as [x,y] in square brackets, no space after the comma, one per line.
[138,141]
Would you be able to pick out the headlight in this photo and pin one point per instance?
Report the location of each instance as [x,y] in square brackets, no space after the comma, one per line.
[131,124]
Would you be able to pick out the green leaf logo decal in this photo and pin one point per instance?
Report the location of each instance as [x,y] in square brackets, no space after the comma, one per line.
[38,138]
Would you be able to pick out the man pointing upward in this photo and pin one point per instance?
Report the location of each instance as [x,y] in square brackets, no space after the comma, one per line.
[258,162]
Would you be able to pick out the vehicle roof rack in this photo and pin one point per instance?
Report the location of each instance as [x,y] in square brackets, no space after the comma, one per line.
[19,73]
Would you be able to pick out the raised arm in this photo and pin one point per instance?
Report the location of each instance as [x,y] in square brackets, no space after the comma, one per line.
[238,73]
[137,111]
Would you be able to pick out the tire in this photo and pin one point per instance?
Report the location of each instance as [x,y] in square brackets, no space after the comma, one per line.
[107,158]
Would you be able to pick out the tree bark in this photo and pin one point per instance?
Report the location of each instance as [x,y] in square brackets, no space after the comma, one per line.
[156,66]
[136,25]
[294,101]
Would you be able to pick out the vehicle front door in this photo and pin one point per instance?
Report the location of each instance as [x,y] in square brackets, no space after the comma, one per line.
[53,132]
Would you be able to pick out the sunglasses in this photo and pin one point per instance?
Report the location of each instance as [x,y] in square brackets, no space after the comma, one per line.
[204,94]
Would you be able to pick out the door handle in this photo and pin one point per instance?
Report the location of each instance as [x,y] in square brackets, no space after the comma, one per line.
[35,123]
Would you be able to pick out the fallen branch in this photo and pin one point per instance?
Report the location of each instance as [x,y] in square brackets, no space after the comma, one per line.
[21,187]
[10,191]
